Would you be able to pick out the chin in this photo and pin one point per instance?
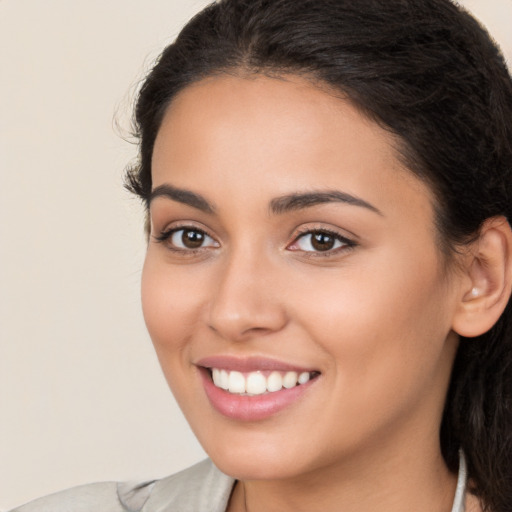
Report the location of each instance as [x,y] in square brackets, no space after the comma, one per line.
[256,456]
[256,469]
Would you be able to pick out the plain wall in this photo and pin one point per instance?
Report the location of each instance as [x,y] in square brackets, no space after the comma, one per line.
[82,397]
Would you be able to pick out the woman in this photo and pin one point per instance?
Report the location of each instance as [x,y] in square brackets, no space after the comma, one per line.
[329,267]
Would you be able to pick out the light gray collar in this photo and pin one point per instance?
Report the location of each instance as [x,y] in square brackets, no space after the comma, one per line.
[460,493]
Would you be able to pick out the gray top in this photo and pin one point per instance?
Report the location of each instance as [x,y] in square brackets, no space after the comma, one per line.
[200,488]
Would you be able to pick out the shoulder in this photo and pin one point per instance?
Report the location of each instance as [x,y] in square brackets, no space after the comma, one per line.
[85,498]
[200,487]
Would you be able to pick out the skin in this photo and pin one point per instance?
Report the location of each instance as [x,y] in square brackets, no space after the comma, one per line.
[374,319]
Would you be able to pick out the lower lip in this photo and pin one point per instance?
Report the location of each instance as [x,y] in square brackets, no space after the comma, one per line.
[251,408]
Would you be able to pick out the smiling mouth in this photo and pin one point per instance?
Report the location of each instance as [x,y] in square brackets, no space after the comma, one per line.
[258,382]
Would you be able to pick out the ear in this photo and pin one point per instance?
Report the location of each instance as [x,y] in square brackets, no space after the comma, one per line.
[488,269]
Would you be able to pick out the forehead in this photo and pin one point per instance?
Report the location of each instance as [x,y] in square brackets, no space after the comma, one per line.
[273,135]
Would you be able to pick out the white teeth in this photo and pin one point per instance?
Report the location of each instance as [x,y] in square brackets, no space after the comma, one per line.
[224,379]
[220,378]
[290,380]
[236,382]
[274,382]
[255,383]
[304,377]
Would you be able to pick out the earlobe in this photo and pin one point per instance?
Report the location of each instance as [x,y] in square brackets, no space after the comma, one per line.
[488,289]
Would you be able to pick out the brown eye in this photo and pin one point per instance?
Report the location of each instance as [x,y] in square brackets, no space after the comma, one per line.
[190,239]
[322,241]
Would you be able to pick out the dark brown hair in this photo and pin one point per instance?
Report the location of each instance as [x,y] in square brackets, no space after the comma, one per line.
[429,73]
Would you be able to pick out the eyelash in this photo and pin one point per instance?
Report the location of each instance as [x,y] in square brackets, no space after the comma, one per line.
[347,244]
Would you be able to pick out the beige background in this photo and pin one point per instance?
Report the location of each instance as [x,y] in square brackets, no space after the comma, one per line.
[81,394]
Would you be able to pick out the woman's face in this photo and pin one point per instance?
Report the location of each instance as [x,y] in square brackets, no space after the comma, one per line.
[288,244]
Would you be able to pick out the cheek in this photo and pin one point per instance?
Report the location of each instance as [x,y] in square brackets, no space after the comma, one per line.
[382,325]
[171,303]
[386,351]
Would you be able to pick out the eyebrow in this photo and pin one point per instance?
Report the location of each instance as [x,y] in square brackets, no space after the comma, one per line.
[278,206]
[299,201]
[182,196]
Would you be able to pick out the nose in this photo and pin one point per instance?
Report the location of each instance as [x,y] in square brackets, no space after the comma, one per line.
[246,301]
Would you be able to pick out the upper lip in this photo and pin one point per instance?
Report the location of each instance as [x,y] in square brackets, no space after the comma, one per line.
[249,364]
